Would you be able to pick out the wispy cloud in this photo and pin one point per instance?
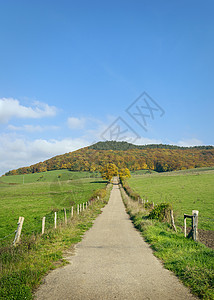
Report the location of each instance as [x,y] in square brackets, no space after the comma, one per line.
[10,108]
[190,142]
[18,152]
[32,128]
[76,123]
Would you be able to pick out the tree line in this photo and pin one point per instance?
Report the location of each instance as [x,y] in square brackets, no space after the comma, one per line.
[157,159]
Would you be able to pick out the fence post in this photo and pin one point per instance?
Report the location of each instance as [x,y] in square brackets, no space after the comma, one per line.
[172,220]
[65,216]
[55,218]
[195,224]
[43,225]
[18,231]
[78,211]
[185,226]
[72,212]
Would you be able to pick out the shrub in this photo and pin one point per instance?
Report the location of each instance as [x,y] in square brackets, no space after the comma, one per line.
[161,212]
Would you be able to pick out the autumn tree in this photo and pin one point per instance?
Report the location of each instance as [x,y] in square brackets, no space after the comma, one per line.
[108,171]
[124,173]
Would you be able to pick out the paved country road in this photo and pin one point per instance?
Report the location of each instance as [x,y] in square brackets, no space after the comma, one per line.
[113,262]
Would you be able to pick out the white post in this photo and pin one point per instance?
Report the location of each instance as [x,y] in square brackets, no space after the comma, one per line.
[78,210]
[195,224]
[43,225]
[18,231]
[185,226]
[65,216]
[72,212]
[55,218]
[172,220]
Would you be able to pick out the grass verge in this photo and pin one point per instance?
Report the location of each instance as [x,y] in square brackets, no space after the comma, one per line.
[192,262]
[23,267]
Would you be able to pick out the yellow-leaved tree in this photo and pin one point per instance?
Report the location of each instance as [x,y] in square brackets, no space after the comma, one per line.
[124,173]
[109,171]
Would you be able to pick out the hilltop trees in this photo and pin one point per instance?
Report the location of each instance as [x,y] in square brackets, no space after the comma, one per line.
[160,158]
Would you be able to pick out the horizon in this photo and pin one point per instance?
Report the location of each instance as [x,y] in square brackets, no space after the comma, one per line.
[182,147]
[74,73]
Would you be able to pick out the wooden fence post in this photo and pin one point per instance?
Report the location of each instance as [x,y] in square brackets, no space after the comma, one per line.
[43,225]
[185,226]
[65,216]
[55,218]
[72,212]
[172,220]
[18,231]
[195,224]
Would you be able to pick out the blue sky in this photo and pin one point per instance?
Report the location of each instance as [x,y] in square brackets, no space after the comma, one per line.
[69,69]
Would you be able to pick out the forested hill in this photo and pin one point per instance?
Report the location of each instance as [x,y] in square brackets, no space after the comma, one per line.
[160,158]
[114,145]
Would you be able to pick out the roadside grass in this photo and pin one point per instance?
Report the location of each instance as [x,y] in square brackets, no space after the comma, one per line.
[185,190]
[23,267]
[36,199]
[192,262]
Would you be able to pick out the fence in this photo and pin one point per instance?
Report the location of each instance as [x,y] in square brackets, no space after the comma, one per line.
[194,217]
[55,221]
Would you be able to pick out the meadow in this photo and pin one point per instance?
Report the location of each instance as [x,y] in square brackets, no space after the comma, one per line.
[41,194]
[186,190]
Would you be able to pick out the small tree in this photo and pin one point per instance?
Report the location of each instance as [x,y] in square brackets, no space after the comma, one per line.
[108,171]
[124,173]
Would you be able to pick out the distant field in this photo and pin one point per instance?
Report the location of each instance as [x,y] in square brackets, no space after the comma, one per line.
[60,175]
[186,190]
[40,194]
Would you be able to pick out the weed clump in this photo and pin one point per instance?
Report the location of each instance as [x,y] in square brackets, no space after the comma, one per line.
[161,212]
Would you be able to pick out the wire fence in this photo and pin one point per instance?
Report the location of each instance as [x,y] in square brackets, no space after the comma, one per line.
[34,227]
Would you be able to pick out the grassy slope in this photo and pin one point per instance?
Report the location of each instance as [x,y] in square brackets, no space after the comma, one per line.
[191,262]
[23,267]
[186,190]
[35,199]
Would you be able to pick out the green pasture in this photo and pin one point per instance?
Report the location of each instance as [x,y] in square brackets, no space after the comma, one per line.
[49,176]
[40,196]
[187,190]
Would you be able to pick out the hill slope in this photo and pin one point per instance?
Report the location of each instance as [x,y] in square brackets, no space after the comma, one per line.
[155,157]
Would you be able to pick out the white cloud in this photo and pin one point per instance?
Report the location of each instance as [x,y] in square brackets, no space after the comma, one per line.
[146,141]
[190,142]
[10,108]
[31,128]
[17,152]
[76,123]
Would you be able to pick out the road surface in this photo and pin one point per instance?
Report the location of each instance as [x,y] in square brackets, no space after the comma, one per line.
[112,262]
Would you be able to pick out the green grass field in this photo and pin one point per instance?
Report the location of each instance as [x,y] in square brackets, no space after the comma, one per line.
[186,190]
[41,194]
